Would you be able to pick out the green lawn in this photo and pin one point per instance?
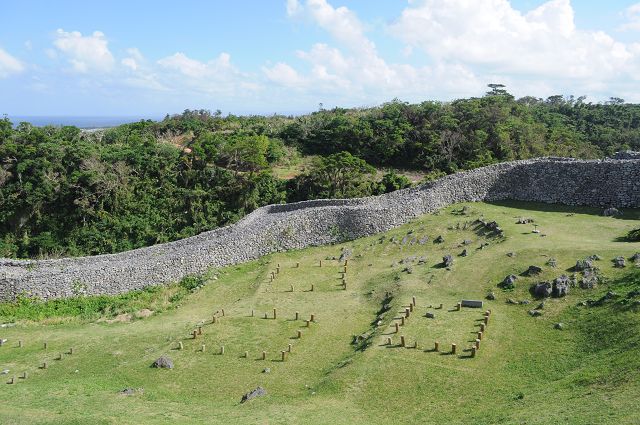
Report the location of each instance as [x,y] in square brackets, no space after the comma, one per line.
[526,372]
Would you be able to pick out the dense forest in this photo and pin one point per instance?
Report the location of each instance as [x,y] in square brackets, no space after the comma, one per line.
[68,192]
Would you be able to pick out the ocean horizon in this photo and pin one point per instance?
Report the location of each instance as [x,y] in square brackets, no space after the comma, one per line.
[84,122]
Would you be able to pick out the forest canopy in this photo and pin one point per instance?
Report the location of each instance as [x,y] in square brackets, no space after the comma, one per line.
[69,192]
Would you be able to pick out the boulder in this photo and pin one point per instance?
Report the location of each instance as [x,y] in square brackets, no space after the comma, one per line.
[552,262]
[635,257]
[561,286]
[543,289]
[619,262]
[430,315]
[589,280]
[535,313]
[491,296]
[439,239]
[582,265]
[509,282]
[258,392]
[463,253]
[533,271]
[163,362]
[611,212]
[447,260]
[559,326]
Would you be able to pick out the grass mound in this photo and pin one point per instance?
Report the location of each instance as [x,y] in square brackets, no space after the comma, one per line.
[314,334]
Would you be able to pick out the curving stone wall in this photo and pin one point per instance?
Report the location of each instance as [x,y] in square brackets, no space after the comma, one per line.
[600,183]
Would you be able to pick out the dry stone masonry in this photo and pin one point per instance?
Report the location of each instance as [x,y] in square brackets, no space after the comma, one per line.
[598,183]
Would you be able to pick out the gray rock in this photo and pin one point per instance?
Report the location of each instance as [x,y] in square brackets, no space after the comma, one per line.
[509,282]
[163,362]
[258,392]
[345,255]
[430,315]
[611,212]
[525,302]
[559,326]
[619,262]
[512,301]
[589,280]
[266,370]
[535,313]
[439,239]
[447,260]
[467,242]
[463,253]
[635,257]
[582,265]
[542,289]
[561,286]
[491,296]
[533,271]
[552,262]
[511,254]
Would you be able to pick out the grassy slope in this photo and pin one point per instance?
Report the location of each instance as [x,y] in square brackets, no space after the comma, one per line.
[526,371]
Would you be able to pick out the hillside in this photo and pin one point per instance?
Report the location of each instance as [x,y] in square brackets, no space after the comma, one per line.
[341,369]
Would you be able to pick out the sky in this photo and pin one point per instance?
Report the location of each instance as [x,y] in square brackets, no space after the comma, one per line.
[150,58]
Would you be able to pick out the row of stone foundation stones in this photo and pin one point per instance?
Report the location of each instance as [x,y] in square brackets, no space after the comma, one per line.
[559,287]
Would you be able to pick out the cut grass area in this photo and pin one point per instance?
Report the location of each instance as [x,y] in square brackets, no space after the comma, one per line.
[525,372]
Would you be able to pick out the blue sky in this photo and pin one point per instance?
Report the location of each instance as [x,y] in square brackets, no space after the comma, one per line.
[148,58]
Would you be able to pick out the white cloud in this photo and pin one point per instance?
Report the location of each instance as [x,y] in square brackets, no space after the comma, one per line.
[85,53]
[9,65]
[217,77]
[491,33]
[632,14]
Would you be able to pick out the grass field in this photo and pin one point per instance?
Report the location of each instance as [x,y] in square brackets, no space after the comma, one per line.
[526,371]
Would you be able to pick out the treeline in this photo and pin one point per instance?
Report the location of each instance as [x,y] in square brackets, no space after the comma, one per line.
[68,192]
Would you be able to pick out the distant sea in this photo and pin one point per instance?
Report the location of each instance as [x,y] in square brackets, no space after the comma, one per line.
[80,122]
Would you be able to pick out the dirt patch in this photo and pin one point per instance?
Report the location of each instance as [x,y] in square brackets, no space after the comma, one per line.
[145,312]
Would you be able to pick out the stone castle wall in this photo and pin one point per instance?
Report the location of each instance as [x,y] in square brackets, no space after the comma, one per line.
[600,183]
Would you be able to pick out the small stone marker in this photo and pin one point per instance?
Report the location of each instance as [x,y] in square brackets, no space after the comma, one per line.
[265,315]
[45,345]
[264,355]
[213,320]
[401,321]
[20,343]
[313,318]
[299,334]
[44,365]
[413,301]
[320,263]
[223,312]
[473,351]
[440,306]
[402,344]
[12,381]
[203,348]
[180,345]
[397,330]
[486,320]
[459,306]
[284,353]
[297,315]
[453,348]
[291,289]
[406,313]
[222,350]
[252,313]
[275,314]
[199,330]
[195,334]
[346,262]
[24,375]
[307,322]
[388,340]
[411,307]
[71,351]
[60,356]
[482,327]
[436,346]
[312,287]
[480,335]
[472,303]
[297,265]
[289,348]
[246,354]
